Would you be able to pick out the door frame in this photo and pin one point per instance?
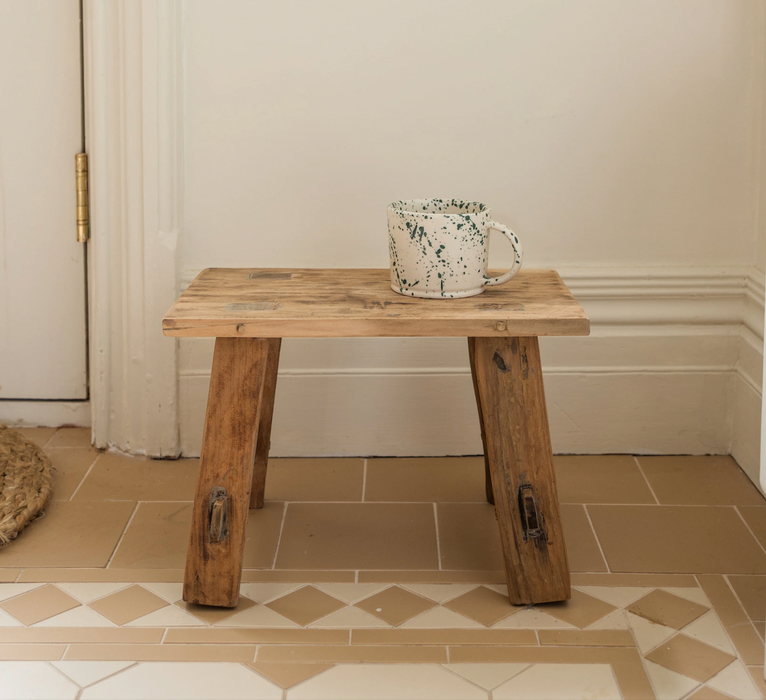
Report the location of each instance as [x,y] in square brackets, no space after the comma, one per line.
[133,83]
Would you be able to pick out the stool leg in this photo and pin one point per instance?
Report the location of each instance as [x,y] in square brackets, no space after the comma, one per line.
[487,476]
[510,387]
[214,558]
[264,424]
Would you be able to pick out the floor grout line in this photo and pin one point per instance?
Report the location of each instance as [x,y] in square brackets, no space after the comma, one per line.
[438,543]
[598,541]
[279,539]
[122,536]
[749,529]
[640,469]
[87,473]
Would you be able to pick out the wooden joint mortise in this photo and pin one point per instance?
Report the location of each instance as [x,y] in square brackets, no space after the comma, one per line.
[531,518]
[216,524]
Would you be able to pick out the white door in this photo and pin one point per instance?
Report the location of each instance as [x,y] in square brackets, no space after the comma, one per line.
[42,267]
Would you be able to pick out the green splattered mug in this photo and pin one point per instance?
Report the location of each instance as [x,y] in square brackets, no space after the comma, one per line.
[439,248]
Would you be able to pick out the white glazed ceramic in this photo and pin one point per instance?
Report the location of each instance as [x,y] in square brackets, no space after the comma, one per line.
[439,248]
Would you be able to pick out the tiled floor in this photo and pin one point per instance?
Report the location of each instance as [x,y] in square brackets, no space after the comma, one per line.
[382,578]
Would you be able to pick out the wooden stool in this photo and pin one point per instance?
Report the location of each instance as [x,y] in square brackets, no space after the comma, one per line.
[249,311]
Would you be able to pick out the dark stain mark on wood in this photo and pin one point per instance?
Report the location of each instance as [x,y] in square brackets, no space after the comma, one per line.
[531,519]
[524,365]
[499,361]
[268,275]
[217,529]
[499,307]
[253,306]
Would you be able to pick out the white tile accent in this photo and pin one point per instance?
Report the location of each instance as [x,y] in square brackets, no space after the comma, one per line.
[613,621]
[668,685]
[386,682]
[350,617]
[648,634]
[441,618]
[616,595]
[169,616]
[188,680]
[76,617]
[87,592]
[257,616]
[734,680]
[709,629]
[532,618]
[266,592]
[86,672]
[34,680]
[11,590]
[442,592]
[488,676]
[695,595]
[172,592]
[351,592]
[561,682]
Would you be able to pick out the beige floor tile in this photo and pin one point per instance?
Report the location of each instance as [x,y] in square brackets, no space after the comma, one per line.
[469,538]
[439,592]
[554,681]
[635,580]
[351,592]
[648,634]
[329,479]
[288,675]
[358,536]
[700,480]
[734,618]
[81,616]
[262,535]
[667,609]
[39,604]
[86,592]
[756,673]
[354,654]
[90,575]
[691,658]
[80,635]
[128,604]
[31,652]
[117,477]
[621,597]
[682,539]
[580,610]
[613,621]
[488,676]
[11,590]
[70,464]
[306,605]
[392,682]
[192,681]
[431,576]
[70,437]
[88,672]
[735,680]
[9,575]
[169,616]
[441,618]
[709,629]
[483,605]
[695,595]
[434,637]
[531,618]
[247,635]
[259,616]
[600,479]
[39,436]
[705,693]
[395,605]
[751,591]
[295,575]
[669,684]
[542,654]
[586,638]
[266,592]
[212,615]
[172,592]
[632,679]
[755,517]
[71,535]
[34,679]
[160,652]
[425,479]
[350,618]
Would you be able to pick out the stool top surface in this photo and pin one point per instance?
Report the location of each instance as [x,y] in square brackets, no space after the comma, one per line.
[324,303]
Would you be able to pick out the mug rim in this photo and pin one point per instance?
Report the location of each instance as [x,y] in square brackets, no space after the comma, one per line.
[399,206]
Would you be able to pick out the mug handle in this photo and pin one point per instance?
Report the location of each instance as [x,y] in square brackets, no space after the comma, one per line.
[514,239]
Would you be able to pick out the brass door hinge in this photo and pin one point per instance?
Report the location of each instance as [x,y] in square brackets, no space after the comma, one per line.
[83,215]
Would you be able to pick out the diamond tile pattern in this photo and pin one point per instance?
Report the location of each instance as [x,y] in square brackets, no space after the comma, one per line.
[580,610]
[128,604]
[664,608]
[39,604]
[395,605]
[215,615]
[306,605]
[483,605]
[691,658]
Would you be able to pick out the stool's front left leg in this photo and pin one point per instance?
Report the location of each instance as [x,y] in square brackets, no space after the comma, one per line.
[214,559]
[509,384]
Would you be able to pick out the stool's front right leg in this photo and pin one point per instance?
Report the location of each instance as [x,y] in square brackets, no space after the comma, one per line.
[509,385]
[214,559]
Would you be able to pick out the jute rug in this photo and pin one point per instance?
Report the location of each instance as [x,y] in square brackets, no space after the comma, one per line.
[25,483]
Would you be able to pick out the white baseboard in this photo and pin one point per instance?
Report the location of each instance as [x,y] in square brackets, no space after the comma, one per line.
[52,414]
[662,372]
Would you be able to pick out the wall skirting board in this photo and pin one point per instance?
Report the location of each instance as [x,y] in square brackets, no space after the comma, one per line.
[55,413]
[673,365]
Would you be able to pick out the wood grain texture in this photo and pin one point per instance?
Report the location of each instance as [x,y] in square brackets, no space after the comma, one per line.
[293,303]
[487,474]
[214,568]
[263,442]
[510,387]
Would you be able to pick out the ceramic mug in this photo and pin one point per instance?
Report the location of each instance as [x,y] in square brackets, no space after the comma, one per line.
[439,248]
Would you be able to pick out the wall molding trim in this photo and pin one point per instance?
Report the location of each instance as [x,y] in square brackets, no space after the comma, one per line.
[133,98]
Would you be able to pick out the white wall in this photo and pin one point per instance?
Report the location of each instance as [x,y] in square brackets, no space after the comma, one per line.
[615,138]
